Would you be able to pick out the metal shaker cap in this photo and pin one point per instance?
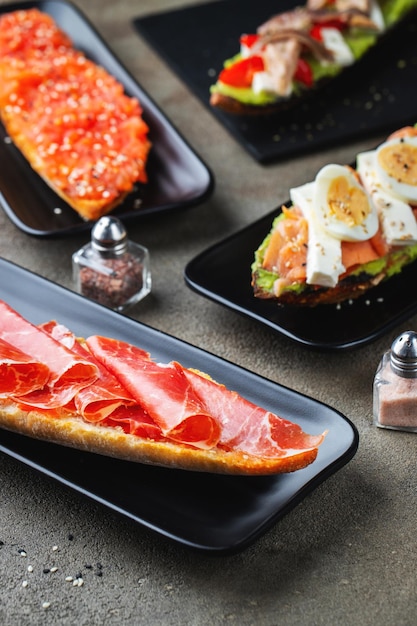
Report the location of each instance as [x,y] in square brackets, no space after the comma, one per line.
[109,235]
[404,355]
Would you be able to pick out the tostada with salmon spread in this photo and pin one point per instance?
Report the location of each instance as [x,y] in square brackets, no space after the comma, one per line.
[297,51]
[346,231]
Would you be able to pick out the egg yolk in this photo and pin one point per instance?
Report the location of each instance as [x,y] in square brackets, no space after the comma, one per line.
[347,202]
[400,162]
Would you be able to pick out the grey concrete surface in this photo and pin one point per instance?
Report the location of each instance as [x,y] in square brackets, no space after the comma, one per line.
[345,556]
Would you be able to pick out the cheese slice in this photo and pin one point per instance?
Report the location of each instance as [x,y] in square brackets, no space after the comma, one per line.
[333,40]
[324,256]
[377,16]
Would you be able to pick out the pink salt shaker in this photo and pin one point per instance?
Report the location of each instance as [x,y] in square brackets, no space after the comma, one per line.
[395,385]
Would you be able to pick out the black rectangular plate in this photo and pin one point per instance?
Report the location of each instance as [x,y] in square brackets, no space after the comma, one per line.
[208,512]
[223,273]
[373,96]
[178,178]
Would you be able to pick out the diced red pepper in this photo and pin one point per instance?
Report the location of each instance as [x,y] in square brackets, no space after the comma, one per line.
[240,74]
[316,29]
[248,40]
[303,73]
[315,32]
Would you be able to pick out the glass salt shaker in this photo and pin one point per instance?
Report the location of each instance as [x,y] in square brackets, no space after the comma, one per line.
[111,269]
[395,385]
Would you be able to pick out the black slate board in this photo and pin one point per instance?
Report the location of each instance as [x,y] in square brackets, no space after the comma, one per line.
[372,97]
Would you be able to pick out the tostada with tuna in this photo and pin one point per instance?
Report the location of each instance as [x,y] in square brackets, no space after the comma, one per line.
[346,231]
[297,51]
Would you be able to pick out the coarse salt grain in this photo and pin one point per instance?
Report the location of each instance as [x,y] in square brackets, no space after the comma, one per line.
[46,605]
[25,583]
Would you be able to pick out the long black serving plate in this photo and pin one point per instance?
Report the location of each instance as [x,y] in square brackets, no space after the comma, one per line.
[215,513]
[375,95]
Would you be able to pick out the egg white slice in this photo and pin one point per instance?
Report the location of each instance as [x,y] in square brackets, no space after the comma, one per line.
[397,219]
[324,254]
[343,206]
[396,167]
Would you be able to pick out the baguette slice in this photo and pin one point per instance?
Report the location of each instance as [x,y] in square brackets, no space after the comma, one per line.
[69,118]
[72,431]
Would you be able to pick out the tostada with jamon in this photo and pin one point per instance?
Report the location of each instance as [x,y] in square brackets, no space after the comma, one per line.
[346,231]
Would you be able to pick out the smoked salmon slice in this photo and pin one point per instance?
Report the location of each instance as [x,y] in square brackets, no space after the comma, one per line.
[68,372]
[19,372]
[162,390]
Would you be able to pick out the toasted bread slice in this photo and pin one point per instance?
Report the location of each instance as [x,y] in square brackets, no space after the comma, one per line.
[282,81]
[71,120]
[358,281]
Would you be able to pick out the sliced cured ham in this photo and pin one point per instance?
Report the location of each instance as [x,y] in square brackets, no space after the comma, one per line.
[68,372]
[134,420]
[105,400]
[100,399]
[163,391]
[243,426]
[20,373]
[248,427]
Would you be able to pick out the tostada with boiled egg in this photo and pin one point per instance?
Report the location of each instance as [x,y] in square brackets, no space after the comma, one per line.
[346,231]
[296,52]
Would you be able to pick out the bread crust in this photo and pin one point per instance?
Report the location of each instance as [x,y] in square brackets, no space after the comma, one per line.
[235,107]
[74,432]
[314,296]
[87,209]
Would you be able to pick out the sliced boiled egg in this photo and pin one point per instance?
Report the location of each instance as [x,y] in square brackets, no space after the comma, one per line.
[342,205]
[396,217]
[396,168]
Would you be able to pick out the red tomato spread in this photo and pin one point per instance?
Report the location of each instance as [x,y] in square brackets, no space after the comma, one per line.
[70,118]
